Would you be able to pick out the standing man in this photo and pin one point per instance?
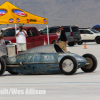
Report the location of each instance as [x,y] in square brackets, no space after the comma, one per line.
[63,38]
[21,35]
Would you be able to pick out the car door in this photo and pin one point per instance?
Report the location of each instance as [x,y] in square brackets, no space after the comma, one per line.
[89,35]
[36,37]
[86,35]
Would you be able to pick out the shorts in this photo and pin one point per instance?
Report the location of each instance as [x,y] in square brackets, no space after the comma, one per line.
[62,45]
[21,46]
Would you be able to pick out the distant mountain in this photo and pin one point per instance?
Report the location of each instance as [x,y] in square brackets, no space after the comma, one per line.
[84,13]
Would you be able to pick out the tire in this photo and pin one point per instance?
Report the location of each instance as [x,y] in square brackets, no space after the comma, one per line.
[79,42]
[13,73]
[68,65]
[91,63]
[98,40]
[71,43]
[2,66]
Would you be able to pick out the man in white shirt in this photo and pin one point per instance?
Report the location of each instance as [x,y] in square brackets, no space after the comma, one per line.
[21,35]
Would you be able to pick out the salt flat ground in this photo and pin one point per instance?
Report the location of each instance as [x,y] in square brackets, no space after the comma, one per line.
[80,86]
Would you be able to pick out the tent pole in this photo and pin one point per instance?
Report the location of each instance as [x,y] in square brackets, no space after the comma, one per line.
[15,33]
[15,27]
[47,34]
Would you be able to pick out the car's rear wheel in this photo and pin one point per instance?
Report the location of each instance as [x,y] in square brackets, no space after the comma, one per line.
[79,42]
[71,43]
[98,40]
[2,66]
[91,63]
[68,65]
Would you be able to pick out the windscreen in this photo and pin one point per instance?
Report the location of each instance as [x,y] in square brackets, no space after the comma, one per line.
[44,31]
[95,31]
[67,29]
[10,32]
[75,29]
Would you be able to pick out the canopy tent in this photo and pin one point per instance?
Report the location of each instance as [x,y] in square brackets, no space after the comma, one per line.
[10,14]
[96,27]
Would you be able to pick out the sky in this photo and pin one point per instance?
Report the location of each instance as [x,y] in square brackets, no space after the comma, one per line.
[84,13]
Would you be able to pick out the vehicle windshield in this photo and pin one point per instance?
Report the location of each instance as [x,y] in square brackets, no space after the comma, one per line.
[44,31]
[95,31]
[9,32]
[50,31]
[75,29]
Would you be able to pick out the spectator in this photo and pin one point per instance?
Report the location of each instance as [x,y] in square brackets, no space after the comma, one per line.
[21,35]
[2,41]
[58,33]
[1,32]
[63,39]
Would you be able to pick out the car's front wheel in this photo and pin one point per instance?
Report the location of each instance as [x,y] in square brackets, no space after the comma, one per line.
[91,63]
[71,43]
[98,40]
[68,65]
[2,66]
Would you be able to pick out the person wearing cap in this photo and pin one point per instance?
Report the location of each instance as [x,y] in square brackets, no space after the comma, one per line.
[63,39]
[1,32]
[21,35]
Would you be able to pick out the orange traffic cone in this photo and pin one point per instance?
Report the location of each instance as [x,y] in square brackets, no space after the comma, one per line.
[85,46]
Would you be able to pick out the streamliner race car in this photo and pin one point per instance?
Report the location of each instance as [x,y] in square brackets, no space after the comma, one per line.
[46,59]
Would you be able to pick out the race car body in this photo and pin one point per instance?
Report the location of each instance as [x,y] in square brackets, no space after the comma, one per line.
[48,59]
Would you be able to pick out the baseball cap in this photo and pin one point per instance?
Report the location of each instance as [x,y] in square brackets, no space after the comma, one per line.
[60,26]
